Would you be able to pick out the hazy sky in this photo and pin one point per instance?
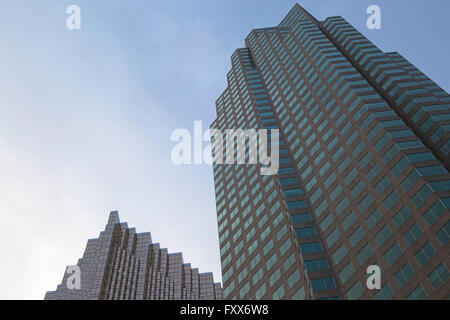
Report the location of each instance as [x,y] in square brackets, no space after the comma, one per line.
[86,117]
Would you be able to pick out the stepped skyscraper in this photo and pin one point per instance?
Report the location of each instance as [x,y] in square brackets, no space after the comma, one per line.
[124,265]
[364,169]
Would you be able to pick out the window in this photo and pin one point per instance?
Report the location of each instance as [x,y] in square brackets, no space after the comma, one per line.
[357,189]
[404,275]
[385,293]
[365,203]
[373,219]
[292,192]
[287,170]
[299,295]
[261,292]
[312,247]
[401,217]
[373,172]
[316,265]
[400,166]
[382,186]
[421,196]
[384,234]
[350,176]
[443,234]
[391,200]
[299,218]
[432,170]
[326,222]
[348,221]
[299,204]
[320,284]
[425,254]
[339,254]
[410,180]
[417,294]
[356,237]
[279,293]
[289,262]
[432,214]
[442,185]
[347,272]
[412,234]
[401,133]
[274,277]
[331,239]
[293,279]
[393,254]
[439,276]
[306,232]
[355,292]
[288,181]
[364,254]
[365,160]
[419,157]
[342,206]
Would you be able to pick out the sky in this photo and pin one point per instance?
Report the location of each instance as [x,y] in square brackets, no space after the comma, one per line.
[86,117]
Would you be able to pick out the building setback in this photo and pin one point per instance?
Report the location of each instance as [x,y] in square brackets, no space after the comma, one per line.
[124,265]
[364,169]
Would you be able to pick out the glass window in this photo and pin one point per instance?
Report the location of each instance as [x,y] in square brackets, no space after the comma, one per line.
[443,234]
[356,237]
[404,275]
[421,196]
[373,219]
[346,272]
[312,247]
[299,218]
[331,239]
[385,293]
[425,254]
[316,265]
[364,254]
[348,221]
[401,217]
[439,276]
[418,294]
[384,234]
[391,200]
[339,254]
[320,284]
[355,292]
[393,254]
[299,204]
[432,214]
[305,232]
[412,234]
[292,192]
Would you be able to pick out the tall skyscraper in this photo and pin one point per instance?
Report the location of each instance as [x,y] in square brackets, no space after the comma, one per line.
[124,265]
[364,169]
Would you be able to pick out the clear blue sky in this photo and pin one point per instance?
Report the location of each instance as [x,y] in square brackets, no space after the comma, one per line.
[86,117]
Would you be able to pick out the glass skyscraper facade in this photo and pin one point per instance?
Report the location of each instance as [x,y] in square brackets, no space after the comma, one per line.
[124,265]
[364,169]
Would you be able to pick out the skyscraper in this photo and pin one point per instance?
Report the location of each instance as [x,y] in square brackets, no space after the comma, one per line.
[124,265]
[364,169]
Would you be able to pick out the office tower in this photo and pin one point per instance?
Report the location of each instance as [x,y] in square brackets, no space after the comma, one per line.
[364,169]
[124,265]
